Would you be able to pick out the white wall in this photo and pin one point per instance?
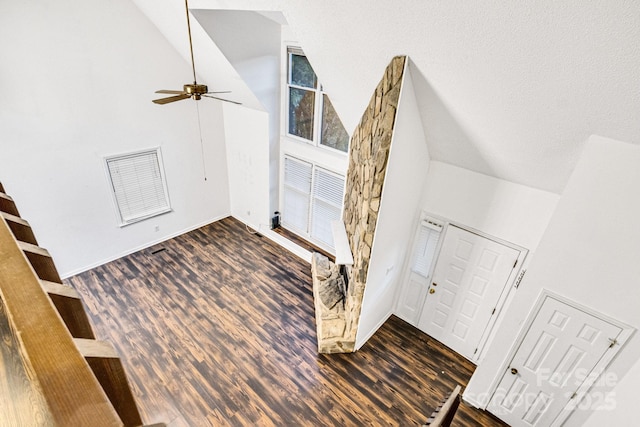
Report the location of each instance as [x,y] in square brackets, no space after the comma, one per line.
[512,212]
[212,67]
[508,89]
[77,83]
[251,43]
[399,212]
[620,405]
[589,253]
[247,138]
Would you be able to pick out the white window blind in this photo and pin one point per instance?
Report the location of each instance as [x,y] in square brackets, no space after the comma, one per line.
[138,185]
[426,245]
[297,194]
[328,191]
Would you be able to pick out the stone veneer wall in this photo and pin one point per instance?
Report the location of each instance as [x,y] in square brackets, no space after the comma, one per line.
[368,156]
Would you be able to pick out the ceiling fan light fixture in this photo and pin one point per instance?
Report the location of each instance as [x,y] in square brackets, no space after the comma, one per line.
[195,89]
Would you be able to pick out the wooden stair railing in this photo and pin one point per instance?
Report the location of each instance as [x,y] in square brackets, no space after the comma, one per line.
[106,366]
[82,381]
[443,415]
[8,205]
[41,261]
[20,228]
[65,299]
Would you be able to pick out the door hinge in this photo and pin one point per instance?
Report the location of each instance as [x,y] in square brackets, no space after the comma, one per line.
[475,351]
[573,396]
[515,263]
[612,342]
[493,311]
[519,279]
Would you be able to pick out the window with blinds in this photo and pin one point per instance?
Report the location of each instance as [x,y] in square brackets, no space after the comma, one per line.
[425,252]
[138,185]
[297,194]
[312,198]
[328,191]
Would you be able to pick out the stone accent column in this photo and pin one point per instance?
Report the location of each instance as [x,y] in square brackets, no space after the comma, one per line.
[368,156]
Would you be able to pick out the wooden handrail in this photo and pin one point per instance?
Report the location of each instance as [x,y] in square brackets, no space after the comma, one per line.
[67,377]
[73,395]
[8,205]
[41,261]
[443,415]
[20,228]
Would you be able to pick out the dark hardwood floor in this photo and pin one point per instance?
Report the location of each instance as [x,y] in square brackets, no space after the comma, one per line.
[216,327]
[305,244]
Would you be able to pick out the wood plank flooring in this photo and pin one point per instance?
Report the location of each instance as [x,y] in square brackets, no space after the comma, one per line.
[216,328]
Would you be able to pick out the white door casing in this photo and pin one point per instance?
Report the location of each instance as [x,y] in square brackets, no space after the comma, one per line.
[419,270]
[560,348]
[471,273]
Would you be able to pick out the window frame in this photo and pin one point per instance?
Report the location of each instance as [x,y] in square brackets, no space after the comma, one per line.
[318,106]
[122,221]
[307,234]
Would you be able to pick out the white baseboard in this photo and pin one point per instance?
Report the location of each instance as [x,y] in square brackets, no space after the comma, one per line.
[287,244]
[473,402]
[67,274]
[360,343]
[292,247]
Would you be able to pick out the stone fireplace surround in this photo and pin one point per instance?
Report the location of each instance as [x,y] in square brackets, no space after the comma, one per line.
[368,157]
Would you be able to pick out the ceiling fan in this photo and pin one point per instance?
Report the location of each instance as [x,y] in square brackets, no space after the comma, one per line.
[195,90]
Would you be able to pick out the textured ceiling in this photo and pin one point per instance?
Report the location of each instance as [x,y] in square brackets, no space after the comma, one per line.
[509,89]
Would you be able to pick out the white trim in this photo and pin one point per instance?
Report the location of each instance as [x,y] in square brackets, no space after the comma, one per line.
[599,368]
[318,104]
[373,330]
[68,274]
[341,242]
[292,247]
[306,234]
[507,291]
[157,150]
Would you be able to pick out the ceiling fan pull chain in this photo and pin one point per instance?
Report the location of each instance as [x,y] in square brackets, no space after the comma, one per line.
[204,164]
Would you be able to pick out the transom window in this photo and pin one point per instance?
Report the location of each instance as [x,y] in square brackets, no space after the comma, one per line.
[311,116]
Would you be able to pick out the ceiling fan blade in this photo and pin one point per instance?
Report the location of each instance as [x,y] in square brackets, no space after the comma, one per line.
[220,91]
[174,92]
[171,99]
[222,99]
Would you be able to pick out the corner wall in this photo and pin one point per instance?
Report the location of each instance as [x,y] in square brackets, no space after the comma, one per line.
[92,69]
[509,211]
[368,156]
[247,142]
[399,212]
[589,254]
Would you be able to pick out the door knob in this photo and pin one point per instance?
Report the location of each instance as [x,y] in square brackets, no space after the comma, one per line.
[514,371]
[432,291]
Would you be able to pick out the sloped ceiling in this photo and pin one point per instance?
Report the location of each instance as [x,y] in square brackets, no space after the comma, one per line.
[508,89]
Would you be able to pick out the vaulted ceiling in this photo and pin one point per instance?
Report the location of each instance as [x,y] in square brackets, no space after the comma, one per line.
[508,89]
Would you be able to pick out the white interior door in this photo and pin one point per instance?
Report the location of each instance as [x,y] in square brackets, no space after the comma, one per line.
[418,272]
[560,349]
[469,277]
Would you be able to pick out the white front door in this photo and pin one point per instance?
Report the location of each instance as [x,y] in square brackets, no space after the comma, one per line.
[470,275]
[559,350]
[418,272]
